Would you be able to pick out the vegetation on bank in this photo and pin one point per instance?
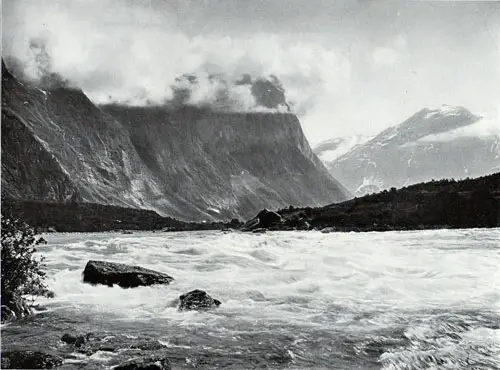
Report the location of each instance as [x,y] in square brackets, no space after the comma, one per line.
[22,272]
[468,203]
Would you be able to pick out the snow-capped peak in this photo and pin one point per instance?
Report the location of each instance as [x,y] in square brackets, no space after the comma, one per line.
[445,110]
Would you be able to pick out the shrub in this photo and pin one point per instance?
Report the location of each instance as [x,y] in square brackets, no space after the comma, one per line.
[21,270]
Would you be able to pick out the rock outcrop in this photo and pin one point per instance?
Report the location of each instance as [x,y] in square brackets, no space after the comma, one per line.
[29,360]
[110,273]
[264,220]
[197,300]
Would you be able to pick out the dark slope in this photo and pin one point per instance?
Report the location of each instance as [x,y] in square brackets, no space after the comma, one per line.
[91,147]
[91,217]
[437,204]
[29,171]
[189,164]
[424,147]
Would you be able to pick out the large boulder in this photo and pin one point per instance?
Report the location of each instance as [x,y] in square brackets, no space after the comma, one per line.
[154,362]
[268,218]
[264,220]
[29,360]
[109,273]
[197,300]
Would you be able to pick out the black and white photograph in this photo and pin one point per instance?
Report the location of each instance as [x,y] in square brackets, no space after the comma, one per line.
[250,184]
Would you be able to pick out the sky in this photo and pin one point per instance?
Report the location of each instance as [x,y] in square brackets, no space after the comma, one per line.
[348,67]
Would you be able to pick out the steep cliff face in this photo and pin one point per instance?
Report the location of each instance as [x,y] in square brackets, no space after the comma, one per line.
[90,147]
[189,163]
[28,170]
[229,164]
[431,144]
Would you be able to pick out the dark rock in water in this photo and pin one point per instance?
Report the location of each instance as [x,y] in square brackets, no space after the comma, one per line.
[89,344]
[29,360]
[109,273]
[268,218]
[68,338]
[77,340]
[264,220]
[197,300]
[154,362]
[148,345]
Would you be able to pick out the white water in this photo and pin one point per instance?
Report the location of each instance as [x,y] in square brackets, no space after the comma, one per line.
[393,300]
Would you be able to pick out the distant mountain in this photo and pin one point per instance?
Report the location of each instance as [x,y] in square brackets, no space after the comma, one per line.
[431,144]
[190,163]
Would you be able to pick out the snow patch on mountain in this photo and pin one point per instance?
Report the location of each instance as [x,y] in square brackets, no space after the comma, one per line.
[331,149]
[444,110]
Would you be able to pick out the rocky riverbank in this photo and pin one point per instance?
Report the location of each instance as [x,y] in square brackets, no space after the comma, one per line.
[143,353]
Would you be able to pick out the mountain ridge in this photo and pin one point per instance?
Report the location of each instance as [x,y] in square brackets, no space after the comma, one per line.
[405,154]
[189,163]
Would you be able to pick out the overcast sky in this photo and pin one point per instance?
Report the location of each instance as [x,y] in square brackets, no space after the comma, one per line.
[349,67]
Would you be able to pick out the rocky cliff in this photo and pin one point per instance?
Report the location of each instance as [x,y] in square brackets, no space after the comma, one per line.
[188,163]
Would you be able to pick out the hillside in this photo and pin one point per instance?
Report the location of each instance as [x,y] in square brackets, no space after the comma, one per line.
[467,203]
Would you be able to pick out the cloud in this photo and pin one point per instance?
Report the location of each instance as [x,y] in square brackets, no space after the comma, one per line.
[384,56]
[133,53]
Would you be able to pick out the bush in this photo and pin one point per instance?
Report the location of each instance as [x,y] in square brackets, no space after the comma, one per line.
[21,271]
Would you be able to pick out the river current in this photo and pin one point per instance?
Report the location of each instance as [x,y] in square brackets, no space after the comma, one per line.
[290,300]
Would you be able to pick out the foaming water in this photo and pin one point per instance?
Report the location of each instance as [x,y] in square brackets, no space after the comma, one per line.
[295,300]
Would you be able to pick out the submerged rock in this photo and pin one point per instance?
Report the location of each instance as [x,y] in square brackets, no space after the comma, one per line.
[29,360]
[154,362]
[148,345]
[197,300]
[76,340]
[110,273]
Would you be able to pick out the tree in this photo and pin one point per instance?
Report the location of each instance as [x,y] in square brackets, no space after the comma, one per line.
[21,271]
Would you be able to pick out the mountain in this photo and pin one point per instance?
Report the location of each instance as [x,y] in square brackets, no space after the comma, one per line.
[331,149]
[29,171]
[431,144]
[189,163]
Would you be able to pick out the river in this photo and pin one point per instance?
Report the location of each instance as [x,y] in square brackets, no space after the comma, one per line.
[290,300]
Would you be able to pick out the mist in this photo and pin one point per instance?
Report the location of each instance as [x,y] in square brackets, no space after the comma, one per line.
[131,54]
[345,68]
